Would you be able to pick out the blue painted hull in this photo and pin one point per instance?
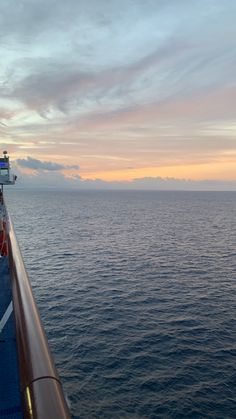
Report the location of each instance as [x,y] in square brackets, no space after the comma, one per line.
[10,399]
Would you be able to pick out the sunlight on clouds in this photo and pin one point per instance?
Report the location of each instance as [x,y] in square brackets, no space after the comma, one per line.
[220,130]
[105,157]
[203,171]
[29,146]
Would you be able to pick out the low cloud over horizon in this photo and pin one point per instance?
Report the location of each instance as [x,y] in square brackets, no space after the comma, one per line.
[54,176]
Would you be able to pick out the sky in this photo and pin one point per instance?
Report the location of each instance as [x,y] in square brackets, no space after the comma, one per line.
[119,93]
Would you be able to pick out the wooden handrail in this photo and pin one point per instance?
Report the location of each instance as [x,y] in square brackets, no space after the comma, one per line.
[42,393]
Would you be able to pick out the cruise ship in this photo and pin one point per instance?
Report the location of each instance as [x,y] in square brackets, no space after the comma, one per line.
[29,383]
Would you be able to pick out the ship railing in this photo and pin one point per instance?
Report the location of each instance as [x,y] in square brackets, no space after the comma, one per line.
[41,389]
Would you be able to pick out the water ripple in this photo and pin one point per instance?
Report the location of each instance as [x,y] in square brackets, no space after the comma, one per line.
[137,294]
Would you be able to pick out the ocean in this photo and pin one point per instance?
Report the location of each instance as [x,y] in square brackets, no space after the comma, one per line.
[136,291]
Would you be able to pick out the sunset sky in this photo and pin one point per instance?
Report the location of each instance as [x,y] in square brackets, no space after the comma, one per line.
[120,91]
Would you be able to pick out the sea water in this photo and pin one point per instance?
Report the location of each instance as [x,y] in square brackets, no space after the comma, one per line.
[136,291]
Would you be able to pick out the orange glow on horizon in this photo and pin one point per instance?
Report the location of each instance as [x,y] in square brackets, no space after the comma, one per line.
[223,168]
[210,171]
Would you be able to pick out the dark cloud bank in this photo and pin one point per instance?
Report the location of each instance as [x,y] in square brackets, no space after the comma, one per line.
[58,181]
[49,175]
[40,165]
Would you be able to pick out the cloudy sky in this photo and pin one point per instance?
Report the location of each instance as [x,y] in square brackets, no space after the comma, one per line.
[120,91]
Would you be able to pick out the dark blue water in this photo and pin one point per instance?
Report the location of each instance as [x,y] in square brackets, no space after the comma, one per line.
[137,294]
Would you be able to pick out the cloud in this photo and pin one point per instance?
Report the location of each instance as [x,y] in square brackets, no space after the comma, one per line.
[57,180]
[67,87]
[167,66]
[38,165]
[152,82]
